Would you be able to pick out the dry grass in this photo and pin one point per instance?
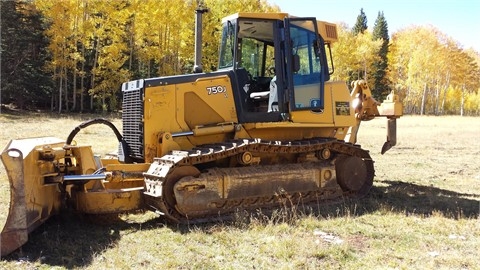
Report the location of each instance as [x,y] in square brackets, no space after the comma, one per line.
[423,212]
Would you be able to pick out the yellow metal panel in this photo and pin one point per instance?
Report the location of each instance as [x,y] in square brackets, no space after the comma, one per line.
[109,201]
[108,161]
[391,106]
[186,107]
[338,112]
[206,101]
[288,130]
[325,117]
[198,112]
[202,105]
[167,144]
[159,115]
[135,167]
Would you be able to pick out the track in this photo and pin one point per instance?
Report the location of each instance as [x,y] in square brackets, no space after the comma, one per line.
[211,181]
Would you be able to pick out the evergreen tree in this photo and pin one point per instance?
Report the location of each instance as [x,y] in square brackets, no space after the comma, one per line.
[359,28]
[23,53]
[381,85]
[361,24]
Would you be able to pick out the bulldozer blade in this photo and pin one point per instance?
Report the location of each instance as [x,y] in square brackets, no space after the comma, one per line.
[32,200]
[14,233]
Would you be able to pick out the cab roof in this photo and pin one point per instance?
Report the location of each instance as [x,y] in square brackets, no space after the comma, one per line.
[327,30]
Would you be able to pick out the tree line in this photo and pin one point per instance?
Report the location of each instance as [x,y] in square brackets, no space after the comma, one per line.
[73,55]
[429,70]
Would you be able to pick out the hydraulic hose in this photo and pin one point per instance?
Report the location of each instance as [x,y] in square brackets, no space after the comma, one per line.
[83,125]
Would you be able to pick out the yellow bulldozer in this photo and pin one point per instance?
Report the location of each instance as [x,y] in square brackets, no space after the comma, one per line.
[268,124]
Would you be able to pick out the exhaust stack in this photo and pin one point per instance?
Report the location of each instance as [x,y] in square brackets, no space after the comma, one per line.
[197,68]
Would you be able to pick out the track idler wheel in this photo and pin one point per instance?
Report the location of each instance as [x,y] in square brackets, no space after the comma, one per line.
[354,174]
[172,178]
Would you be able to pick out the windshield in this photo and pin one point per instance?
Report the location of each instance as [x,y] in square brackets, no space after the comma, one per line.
[256,57]
[255,46]
[304,45]
[227,45]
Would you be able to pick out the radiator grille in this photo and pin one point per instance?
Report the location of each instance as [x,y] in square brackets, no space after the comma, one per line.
[132,118]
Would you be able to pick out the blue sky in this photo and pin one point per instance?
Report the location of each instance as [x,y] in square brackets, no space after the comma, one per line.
[459,19]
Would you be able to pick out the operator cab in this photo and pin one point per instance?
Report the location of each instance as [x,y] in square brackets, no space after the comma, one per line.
[279,63]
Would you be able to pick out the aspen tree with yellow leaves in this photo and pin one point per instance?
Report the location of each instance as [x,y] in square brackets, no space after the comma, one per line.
[73,55]
[432,73]
[354,54]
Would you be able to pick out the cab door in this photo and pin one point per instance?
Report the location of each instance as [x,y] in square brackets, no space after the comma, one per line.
[306,70]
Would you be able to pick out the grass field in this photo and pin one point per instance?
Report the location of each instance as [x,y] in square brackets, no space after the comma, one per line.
[422,213]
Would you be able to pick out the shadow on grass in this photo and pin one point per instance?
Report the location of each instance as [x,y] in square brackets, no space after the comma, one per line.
[411,198]
[408,199]
[72,241]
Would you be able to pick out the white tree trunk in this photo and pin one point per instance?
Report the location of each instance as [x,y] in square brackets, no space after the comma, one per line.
[60,94]
[424,99]
[462,102]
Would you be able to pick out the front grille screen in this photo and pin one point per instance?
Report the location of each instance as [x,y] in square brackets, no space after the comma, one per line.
[132,118]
